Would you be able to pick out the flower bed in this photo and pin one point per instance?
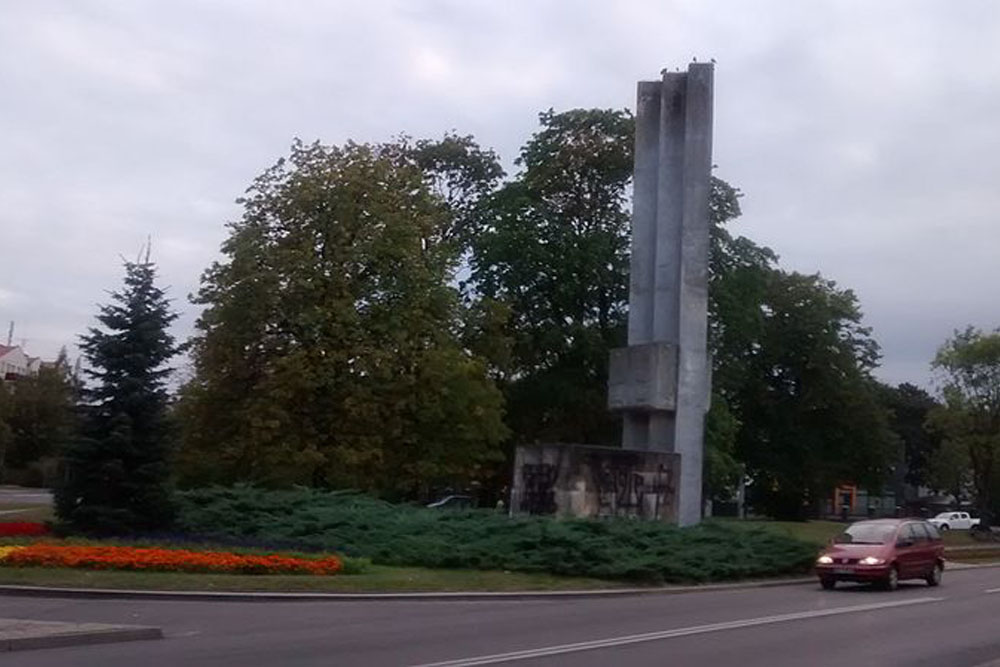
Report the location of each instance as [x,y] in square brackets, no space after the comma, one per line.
[22,528]
[162,560]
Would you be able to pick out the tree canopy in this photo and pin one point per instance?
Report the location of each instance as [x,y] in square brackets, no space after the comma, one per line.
[397,316]
[810,416]
[329,351]
[553,251]
[968,369]
[41,417]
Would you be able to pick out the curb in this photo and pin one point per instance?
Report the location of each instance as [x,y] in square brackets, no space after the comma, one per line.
[951,565]
[984,546]
[460,596]
[75,635]
[465,596]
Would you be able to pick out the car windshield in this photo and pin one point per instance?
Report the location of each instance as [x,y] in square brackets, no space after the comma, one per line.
[866,533]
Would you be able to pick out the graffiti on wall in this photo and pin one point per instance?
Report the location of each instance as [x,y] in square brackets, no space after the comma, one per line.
[538,495]
[623,490]
[595,482]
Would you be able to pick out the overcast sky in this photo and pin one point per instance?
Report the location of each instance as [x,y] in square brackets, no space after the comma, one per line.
[865,135]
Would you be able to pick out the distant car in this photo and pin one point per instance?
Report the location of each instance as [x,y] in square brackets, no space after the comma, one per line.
[883,551]
[452,503]
[953,521]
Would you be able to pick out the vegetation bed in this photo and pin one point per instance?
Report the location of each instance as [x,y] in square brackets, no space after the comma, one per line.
[403,535]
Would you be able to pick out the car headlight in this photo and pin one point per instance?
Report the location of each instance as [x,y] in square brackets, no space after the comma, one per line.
[824,560]
[871,560]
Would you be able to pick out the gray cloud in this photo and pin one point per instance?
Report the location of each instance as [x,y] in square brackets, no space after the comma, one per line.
[863,134]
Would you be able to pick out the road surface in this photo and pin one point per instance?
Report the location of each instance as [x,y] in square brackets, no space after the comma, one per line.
[954,625]
[19,495]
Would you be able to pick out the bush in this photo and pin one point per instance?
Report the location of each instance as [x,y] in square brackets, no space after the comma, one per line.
[404,535]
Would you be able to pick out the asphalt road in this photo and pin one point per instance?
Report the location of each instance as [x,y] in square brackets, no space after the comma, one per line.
[954,625]
[19,495]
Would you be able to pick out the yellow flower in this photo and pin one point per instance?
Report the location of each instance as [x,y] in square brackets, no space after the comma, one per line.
[6,550]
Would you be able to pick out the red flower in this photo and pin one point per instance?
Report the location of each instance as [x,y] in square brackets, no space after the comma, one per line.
[18,528]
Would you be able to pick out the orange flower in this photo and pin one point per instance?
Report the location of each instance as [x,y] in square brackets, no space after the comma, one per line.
[166,560]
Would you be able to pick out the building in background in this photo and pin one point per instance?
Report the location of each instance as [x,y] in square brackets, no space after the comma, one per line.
[14,363]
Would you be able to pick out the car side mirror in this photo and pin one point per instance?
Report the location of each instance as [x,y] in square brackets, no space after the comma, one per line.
[904,543]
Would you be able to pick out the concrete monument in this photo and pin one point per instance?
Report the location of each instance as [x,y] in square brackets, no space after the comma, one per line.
[661,381]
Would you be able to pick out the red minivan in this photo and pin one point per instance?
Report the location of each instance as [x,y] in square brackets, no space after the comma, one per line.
[883,551]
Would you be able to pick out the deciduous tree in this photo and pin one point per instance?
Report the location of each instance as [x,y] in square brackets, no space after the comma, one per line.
[42,419]
[968,367]
[329,350]
[553,251]
[810,418]
[909,407]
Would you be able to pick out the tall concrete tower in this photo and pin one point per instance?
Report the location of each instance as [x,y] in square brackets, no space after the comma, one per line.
[661,382]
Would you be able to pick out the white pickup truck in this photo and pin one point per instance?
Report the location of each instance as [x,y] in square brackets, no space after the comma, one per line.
[953,521]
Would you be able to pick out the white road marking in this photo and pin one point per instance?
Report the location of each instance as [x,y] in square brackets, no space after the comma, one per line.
[669,634]
[992,590]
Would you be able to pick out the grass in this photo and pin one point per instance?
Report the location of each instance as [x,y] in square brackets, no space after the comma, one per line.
[377,579]
[980,554]
[821,532]
[814,532]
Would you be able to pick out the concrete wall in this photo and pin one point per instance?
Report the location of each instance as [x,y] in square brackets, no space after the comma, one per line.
[582,481]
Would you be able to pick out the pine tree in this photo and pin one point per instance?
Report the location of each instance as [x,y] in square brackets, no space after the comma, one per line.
[117,473]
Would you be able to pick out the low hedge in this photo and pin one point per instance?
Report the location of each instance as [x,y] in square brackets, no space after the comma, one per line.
[404,535]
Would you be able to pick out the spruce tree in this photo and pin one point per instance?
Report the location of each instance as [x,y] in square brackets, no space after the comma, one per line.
[117,477]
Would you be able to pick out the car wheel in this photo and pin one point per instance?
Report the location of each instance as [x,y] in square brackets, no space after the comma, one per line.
[934,578]
[944,526]
[891,582]
[828,583]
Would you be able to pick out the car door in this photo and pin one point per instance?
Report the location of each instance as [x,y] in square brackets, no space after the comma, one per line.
[936,546]
[908,551]
[925,549]
[963,520]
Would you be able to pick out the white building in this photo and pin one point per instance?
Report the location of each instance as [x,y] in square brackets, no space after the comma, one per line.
[15,363]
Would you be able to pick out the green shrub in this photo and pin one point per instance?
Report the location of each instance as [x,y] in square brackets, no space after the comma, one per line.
[359,526]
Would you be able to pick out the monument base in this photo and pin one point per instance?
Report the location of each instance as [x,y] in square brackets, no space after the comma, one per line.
[584,481]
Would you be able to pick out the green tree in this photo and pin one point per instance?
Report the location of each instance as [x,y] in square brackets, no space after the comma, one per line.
[950,469]
[739,275]
[810,417]
[118,472]
[461,174]
[968,368]
[552,253]
[6,433]
[329,352]
[42,414]
[550,266]
[909,407]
